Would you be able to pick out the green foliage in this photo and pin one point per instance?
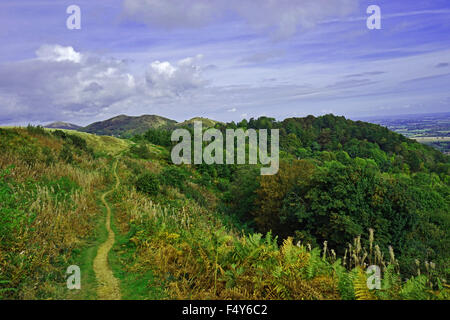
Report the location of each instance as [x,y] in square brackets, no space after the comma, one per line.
[316,264]
[415,289]
[148,183]
[345,281]
[242,193]
[66,154]
[159,137]
[11,214]
[78,142]
[61,189]
[36,130]
[72,139]
[141,151]
[174,176]
[365,177]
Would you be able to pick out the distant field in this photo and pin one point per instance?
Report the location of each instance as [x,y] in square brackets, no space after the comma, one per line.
[431,139]
[430,129]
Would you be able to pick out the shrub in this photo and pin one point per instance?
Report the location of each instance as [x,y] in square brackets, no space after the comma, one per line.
[78,142]
[75,140]
[60,134]
[174,176]
[148,183]
[158,137]
[141,151]
[66,154]
[48,156]
[38,130]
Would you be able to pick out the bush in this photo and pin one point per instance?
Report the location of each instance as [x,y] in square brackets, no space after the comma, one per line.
[38,130]
[66,154]
[48,156]
[75,140]
[158,137]
[60,134]
[78,142]
[148,183]
[174,176]
[141,151]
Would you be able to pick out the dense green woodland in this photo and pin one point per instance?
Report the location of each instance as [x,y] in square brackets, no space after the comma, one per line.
[338,178]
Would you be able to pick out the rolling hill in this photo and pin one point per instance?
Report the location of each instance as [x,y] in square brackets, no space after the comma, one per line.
[207,123]
[126,126]
[62,125]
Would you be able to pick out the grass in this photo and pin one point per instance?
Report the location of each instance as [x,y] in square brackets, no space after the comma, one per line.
[141,285]
[107,144]
[84,258]
[51,214]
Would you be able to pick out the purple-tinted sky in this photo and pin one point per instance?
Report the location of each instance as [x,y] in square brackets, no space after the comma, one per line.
[223,59]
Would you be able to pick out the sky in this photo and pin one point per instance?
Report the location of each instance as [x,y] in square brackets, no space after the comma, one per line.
[222,59]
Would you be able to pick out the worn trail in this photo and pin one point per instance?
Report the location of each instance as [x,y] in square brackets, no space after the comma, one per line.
[108,285]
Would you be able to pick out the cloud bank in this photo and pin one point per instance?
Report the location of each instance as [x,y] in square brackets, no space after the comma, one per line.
[69,84]
[281,17]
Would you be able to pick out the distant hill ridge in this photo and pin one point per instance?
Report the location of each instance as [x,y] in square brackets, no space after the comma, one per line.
[124,125]
[62,125]
[127,126]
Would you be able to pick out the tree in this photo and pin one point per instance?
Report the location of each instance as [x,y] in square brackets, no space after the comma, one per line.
[273,189]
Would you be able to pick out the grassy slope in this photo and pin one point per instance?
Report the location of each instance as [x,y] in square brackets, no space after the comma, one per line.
[106,144]
[125,125]
[48,210]
[63,200]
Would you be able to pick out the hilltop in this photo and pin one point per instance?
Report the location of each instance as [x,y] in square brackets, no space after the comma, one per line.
[207,123]
[62,125]
[127,126]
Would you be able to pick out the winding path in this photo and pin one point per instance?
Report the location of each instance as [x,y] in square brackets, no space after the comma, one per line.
[108,285]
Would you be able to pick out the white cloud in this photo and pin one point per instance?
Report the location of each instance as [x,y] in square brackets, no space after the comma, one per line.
[58,53]
[232,110]
[165,79]
[285,16]
[61,83]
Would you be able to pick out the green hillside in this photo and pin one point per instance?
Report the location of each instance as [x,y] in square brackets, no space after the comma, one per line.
[126,126]
[347,195]
[207,123]
[101,143]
